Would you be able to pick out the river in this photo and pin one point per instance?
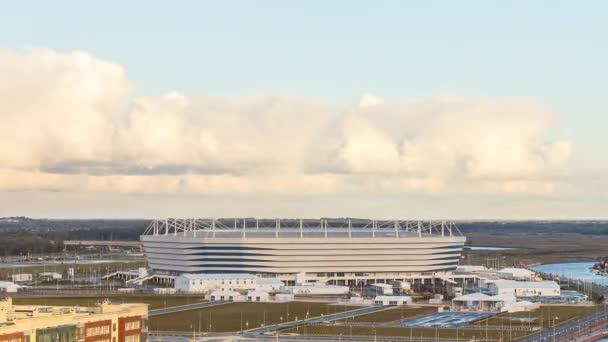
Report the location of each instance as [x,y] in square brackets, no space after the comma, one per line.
[573,270]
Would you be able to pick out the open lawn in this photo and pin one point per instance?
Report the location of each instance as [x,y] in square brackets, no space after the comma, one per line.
[241,316]
[544,316]
[490,335]
[155,302]
[391,315]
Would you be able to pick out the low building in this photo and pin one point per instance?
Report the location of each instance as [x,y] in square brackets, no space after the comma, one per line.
[104,322]
[516,274]
[269,284]
[381,289]
[483,302]
[393,300]
[470,269]
[50,276]
[523,306]
[226,296]
[205,283]
[312,290]
[22,277]
[283,297]
[525,288]
[258,296]
[8,287]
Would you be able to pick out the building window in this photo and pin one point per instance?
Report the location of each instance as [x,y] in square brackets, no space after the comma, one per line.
[133,325]
[132,338]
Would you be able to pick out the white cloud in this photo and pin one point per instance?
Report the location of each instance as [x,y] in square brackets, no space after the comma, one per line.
[67,126]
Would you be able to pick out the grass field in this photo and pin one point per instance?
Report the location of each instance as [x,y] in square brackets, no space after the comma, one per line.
[546,316]
[156,302]
[391,315]
[241,316]
[496,335]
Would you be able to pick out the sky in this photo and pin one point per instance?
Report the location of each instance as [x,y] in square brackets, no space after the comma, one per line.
[383,109]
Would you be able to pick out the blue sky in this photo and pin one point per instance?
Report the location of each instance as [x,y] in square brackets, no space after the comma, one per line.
[552,53]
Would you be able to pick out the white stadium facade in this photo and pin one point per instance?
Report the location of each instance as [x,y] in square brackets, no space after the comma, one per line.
[338,251]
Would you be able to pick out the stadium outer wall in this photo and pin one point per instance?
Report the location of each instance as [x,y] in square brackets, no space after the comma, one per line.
[341,255]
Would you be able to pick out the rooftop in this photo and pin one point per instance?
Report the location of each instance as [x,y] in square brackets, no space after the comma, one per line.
[547,284]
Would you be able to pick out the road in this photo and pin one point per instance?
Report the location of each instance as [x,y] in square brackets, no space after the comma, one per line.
[185,308]
[569,329]
[315,320]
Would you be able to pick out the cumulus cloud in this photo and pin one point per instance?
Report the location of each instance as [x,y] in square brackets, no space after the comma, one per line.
[70,123]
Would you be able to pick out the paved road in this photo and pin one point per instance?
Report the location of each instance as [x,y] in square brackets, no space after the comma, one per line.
[570,329]
[184,308]
[316,320]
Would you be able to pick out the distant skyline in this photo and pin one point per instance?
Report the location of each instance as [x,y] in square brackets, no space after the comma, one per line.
[387,109]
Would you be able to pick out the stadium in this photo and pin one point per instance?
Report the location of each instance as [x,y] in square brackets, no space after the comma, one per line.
[339,251]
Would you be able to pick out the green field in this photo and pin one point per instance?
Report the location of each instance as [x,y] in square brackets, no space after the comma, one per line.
[155,302]
[494,335]
[241,316]
[391,315]
[545,316]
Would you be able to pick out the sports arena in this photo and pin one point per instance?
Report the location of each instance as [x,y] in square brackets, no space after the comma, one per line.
[340,251]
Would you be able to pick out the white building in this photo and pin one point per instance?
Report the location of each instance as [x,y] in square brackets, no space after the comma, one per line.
[312,290]
[470,269]
[8,287]
[283,297]
[226,296]
[50,276]
[393,300]
[483,302]
[269,284]
[516,274]
[205,283]
[523,306]
[22,277]
[258,296]
[525,288]
[382,289]
[336,251]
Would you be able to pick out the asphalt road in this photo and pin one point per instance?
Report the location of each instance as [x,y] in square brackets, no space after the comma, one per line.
[568,329]
[184,308]
[316,320]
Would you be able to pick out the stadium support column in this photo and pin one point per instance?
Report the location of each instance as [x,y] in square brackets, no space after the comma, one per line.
[349,229]
[301,230]
[244,224]
[166,227]
[419,229]
[374,228]
[442,228]
[396,229]
[213,227]
[276,229]
[324,224]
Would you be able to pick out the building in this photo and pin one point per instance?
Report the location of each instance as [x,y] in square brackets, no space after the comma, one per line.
[22,277]
[470,269]
[483,302]
[393,300]
[226,296]
[381,289]
[525,288]
[50,276]
[318,290]
[336,251]
[516,274]
[258,296]
[269,284]
[205,283]
[8,287]
[105,322]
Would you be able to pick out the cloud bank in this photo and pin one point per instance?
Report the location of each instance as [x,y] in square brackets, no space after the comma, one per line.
[70,122]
